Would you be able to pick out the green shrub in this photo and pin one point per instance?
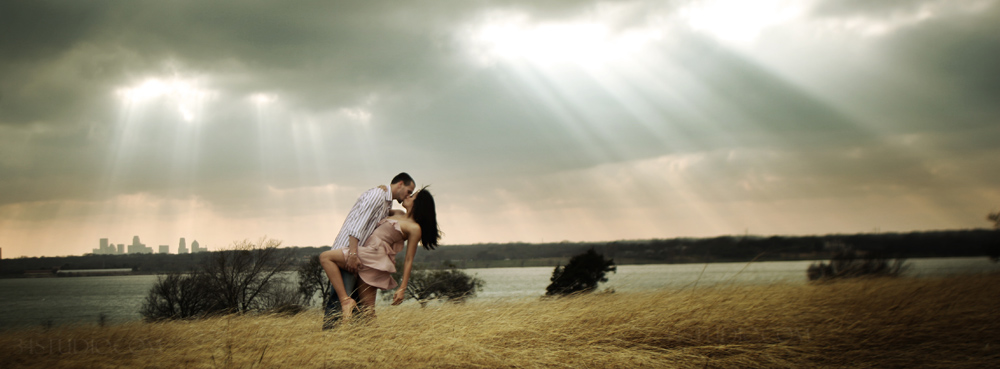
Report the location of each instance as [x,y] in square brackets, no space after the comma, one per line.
[581,274]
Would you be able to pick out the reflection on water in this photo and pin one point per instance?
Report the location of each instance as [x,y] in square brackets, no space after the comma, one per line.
[27,302]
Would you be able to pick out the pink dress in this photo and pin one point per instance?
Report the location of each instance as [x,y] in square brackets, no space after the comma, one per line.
[378,255]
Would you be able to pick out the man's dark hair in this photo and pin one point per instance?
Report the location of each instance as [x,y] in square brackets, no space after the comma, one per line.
[405,178]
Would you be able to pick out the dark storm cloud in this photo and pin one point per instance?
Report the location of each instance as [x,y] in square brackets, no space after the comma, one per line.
[951,48]
[433,107]
[318,51]
[963,52]
[35,30]
[62,62]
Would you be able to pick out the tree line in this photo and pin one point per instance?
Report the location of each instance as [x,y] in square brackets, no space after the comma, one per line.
[950,243]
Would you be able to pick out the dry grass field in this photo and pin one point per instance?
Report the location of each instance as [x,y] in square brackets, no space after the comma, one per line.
[877,323]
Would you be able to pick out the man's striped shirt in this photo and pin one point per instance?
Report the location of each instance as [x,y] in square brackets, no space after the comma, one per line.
[371,208]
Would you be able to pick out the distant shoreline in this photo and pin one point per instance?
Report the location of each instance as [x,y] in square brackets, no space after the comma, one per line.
[470,266]
[745,248]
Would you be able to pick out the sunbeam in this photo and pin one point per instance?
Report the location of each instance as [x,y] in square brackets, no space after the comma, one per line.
[515,37]
[185,95]
[738,21]
[554,120]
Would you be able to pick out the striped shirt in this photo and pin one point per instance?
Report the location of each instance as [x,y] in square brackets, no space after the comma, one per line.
[371,208]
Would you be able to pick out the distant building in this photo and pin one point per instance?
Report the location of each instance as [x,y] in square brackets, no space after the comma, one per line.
[182,249]
[121,248]
[164,249]
[138,248]
[105,249]
[195,248]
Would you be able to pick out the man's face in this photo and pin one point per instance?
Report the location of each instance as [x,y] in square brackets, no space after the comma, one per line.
[408,201]
[403,191]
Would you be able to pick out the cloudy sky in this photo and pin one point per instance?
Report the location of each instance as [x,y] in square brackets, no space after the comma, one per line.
[534,121]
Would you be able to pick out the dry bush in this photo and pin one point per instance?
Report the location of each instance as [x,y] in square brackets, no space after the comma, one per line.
[242,279]
[863,323]
[848,264]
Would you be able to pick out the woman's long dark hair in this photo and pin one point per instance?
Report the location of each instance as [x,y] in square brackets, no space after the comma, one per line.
[425,214]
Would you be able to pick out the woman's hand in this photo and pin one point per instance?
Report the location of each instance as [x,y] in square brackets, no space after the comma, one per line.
[397,298]
[353,263]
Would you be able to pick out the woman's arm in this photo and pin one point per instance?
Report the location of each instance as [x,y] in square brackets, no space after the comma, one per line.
[411,250]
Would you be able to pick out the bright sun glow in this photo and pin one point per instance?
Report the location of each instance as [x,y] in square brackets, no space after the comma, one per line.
[515,37]
[263,98]
[186,95]
[737,20]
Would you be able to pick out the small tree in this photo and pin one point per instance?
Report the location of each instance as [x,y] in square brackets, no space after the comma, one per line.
[242,275]
[282,298]
[178,296]
[582,274]
[313,278]
[242,279]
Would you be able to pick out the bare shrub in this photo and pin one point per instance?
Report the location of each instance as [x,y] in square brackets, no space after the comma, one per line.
[451,285]
[848,264]
[242,275]
[282,299]
[312,278]
[178,296]
[245,278]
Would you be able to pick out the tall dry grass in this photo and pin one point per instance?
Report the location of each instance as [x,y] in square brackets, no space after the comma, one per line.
[879,323]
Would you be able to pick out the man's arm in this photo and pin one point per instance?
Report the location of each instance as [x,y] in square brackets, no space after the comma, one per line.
[363,215]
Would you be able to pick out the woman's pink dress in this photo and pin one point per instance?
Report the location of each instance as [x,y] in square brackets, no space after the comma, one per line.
[378,255]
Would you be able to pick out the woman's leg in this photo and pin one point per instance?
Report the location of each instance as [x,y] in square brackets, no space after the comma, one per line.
[332,260]
[367,294]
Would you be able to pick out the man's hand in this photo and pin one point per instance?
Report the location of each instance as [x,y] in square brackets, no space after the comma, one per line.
[397,298]
[353,263]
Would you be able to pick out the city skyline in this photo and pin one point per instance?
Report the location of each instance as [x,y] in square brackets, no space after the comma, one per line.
[584,121]
[136,247]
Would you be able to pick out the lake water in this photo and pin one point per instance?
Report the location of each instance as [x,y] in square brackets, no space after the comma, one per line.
[41,301]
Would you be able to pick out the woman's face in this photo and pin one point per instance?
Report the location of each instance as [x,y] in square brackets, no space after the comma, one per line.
[408,201]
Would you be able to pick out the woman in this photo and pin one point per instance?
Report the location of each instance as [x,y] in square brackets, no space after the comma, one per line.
[378,255]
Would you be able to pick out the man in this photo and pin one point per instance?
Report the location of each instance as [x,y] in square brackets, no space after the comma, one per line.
[370,208]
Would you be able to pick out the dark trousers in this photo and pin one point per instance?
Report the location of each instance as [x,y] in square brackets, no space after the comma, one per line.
[332,312]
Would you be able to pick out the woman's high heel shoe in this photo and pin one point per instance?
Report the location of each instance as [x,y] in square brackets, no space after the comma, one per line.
[349,307]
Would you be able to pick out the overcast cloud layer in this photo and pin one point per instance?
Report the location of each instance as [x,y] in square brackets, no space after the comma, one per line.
[534,121]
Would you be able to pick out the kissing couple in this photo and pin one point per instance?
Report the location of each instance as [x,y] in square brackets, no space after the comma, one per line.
[363,256]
